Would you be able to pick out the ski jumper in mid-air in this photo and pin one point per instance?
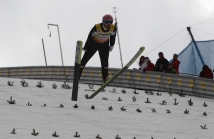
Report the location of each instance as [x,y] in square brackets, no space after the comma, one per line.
[101,38]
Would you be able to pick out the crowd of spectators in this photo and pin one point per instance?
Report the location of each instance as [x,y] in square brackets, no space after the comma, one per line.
[163,65]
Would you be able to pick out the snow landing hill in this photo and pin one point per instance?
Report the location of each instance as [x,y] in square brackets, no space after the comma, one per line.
[88,122]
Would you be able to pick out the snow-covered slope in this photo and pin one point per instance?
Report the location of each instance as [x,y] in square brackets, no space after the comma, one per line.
[89,122]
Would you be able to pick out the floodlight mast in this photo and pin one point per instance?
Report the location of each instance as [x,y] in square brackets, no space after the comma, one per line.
[114,9]
[59,41]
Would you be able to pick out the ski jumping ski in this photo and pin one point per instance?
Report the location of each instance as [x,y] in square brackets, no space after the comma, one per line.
[118,73]
[76,70]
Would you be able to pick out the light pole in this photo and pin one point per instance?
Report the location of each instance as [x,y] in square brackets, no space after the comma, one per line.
[59,41]
[114,9]
[44,51]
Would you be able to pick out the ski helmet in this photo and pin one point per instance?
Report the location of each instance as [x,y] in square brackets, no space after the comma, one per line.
[107,19]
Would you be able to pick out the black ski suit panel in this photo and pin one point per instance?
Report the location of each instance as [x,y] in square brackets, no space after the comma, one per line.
[103,53]
[90,40]
[92,47]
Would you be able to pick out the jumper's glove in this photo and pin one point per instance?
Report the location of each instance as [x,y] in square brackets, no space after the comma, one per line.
[111,48]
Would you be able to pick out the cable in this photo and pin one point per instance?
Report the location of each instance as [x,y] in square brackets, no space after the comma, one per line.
[205,45]
[195,35]
[185,40]
[165,41]
[203,31]
[202,22]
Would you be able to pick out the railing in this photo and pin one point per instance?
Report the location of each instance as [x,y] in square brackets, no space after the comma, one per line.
[156,81]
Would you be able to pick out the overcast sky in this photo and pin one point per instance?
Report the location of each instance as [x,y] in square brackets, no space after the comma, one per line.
[147,23]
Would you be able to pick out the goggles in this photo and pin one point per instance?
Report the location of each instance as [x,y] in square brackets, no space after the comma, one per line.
[108,22]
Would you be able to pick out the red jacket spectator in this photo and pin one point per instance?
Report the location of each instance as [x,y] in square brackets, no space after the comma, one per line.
[150,66]
[176,63]
[206,72]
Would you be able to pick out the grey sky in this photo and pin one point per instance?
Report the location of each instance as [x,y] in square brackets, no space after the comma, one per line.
[146,23]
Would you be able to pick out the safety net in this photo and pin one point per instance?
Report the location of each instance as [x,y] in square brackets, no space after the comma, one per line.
[195,55]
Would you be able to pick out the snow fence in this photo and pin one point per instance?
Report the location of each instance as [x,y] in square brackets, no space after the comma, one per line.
[156,81]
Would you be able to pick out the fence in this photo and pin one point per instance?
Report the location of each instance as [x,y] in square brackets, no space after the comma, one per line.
[156,81]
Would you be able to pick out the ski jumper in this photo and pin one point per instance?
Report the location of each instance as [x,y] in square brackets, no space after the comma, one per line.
[99,40]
